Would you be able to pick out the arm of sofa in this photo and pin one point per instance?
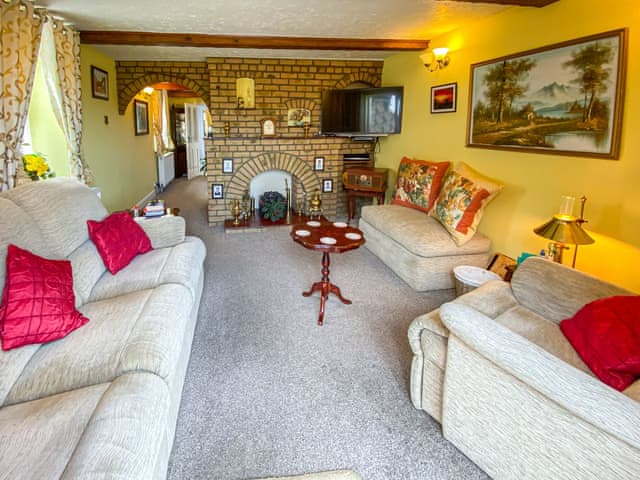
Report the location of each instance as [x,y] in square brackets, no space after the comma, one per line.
[492,299]
[165,231]
[577,392]
[555,291]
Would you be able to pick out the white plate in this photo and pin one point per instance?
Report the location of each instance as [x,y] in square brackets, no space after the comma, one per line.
[339,224]
[328,240]
[303,233]
[353,236]
[313,223]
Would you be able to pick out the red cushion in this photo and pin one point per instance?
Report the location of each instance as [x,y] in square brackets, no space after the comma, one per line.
[118,239]
[606,335]
[38,303]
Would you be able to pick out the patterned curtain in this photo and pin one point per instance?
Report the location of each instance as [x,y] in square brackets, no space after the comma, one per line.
[69,110]
[20,40]
[155,107]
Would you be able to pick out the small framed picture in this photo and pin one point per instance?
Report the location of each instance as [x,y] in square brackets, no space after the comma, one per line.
[318,164]
[267,127]
[141,117]
[217,191]
[99,83]
[327,185]
[444,97]
[227,165]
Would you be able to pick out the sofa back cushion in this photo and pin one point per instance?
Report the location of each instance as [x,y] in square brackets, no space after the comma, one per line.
[555,291]
[18,228]
[60,207]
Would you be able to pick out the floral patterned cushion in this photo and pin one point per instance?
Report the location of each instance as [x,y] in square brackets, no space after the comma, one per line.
[419,183]
[460,204]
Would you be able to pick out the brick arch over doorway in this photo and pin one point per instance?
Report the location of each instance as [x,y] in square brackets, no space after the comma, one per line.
[359,77]
[126,91]
[270,161]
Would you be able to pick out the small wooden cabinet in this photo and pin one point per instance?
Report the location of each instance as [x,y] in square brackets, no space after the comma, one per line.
[364,182]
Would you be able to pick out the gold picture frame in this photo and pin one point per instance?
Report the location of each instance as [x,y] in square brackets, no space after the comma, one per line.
[268,127]
[562,99]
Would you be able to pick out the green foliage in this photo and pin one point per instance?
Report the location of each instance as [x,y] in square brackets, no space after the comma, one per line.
[273,206]
[590,64]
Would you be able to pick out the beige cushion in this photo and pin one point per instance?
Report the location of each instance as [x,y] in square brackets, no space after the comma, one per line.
[166,265]
[542,332]
[60,207]
[418,233]
[108,430]
[17,227]
[129,334]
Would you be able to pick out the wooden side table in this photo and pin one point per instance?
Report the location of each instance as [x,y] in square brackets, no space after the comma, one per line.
[326,237]
[364,182]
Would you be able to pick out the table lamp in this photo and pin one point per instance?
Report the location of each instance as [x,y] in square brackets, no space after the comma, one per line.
[564,229]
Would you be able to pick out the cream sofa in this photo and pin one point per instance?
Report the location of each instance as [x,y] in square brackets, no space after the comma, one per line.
[511,392]
[417,247]
[103,401]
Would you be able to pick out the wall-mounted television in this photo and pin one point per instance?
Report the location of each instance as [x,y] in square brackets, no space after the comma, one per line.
[354,112]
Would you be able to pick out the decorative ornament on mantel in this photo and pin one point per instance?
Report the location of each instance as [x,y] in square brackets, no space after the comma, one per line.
[273,206]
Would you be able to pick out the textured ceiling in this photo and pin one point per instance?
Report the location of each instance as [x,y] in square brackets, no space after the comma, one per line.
[399,19]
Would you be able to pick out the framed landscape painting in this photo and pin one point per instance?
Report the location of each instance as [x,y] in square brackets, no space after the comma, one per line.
[564,99]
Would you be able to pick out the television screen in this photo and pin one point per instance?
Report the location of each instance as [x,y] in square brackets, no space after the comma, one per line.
[361,111]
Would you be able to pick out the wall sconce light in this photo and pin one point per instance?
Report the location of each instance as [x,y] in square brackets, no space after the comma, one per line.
[148,90]
[565,228]
[437,59]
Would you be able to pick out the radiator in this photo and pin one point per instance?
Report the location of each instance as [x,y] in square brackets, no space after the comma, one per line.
[166,169]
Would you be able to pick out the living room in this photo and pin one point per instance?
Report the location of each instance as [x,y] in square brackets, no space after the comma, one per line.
[535,182]
[123,167]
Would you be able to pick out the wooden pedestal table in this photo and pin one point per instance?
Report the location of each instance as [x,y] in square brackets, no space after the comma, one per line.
[326,237]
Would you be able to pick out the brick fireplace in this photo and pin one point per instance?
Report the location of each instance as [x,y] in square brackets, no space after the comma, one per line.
[293,155]
[280,85]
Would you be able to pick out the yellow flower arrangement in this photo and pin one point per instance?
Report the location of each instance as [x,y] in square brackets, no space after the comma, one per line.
[35,165]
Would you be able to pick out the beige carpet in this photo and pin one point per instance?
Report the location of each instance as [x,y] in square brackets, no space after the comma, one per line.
[333,475]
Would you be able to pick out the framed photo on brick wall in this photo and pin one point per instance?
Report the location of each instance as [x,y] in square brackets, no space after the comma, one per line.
[327,185]
[217,191]
[318,164]
[227,165]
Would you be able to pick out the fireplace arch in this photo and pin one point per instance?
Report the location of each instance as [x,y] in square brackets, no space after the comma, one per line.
[264,162]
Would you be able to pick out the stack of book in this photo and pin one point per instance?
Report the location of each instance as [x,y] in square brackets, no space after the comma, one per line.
[155,208]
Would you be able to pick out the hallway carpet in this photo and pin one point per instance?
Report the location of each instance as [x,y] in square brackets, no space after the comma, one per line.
[270,393]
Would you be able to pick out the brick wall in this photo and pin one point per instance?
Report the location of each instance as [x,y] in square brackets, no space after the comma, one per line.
[252,156]
[280,85]
[134,76]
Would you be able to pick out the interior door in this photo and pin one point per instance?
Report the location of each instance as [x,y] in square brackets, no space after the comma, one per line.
[195,138]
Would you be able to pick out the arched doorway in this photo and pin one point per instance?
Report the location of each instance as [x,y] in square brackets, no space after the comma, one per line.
[179,120]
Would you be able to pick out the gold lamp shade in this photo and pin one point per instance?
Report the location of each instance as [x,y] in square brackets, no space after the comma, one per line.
[564,229]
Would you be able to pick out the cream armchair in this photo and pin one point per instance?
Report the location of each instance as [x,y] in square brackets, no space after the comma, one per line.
[510,391]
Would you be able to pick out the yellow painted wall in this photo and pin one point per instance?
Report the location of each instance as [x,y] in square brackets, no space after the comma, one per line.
[123,164]
[534,183]
[46,135]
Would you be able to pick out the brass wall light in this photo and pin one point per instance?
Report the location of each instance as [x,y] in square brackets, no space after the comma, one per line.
[565,229]
[435,60]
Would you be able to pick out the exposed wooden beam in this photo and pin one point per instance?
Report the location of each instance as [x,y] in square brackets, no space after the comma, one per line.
[236,41]
[520,3]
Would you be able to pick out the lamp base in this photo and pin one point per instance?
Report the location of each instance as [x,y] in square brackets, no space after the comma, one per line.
[554,251]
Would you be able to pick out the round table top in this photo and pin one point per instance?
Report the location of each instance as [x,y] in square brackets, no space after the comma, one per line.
[323,236]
